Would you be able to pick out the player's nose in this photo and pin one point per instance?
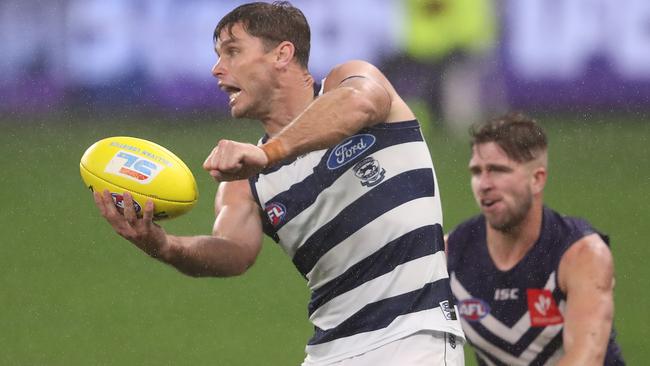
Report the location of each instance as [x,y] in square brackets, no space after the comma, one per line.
[218,69]
[484,182]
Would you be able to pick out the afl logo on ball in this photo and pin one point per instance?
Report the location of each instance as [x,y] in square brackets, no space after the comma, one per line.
[276,213]
[119,202]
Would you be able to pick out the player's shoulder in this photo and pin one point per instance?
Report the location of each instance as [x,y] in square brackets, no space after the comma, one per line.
[470,227]
[351,69]
[568,229]
[588,256]
[467,232]
[590,247]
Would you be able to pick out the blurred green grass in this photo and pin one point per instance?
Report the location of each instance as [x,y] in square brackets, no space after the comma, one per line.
[73,293]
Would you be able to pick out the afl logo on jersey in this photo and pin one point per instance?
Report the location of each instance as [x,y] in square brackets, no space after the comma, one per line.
[349,149]
[276,213]
[473,309]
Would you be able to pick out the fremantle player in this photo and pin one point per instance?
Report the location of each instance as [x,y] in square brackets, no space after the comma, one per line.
[343,182]
[533,287]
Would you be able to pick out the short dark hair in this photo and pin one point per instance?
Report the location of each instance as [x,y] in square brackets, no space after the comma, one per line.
[272,22]
[518,135]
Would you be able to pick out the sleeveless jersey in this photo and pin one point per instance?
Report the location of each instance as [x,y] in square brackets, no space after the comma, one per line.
[515,317]
[362,223]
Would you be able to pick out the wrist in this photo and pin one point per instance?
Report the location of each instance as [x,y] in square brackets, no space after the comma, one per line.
[168,250]
[275,151]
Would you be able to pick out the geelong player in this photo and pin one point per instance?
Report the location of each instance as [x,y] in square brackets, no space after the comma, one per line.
[533,287]
[342,181]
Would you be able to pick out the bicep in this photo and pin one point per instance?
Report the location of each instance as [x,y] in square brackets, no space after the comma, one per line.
[365,77]
[237,216]
[586,275]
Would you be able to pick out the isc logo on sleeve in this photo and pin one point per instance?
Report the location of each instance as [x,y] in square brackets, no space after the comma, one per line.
[134,167]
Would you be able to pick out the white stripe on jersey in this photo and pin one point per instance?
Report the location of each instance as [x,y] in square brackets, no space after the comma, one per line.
[345,190]
[400,327]
[406,277]
[372,237]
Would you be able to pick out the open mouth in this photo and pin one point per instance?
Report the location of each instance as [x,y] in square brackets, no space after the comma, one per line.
[488,202]
[232,91]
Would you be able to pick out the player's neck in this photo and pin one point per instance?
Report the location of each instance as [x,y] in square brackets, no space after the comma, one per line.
[508,247]
[294,93]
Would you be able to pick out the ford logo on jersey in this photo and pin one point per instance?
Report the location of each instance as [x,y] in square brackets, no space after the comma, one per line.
[348,149]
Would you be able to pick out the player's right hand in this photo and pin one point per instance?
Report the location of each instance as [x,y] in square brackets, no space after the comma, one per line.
[231,160]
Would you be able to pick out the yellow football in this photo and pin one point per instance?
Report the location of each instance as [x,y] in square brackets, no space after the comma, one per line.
[143,168]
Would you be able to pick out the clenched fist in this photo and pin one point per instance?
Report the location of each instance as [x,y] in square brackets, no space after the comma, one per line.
[231,160]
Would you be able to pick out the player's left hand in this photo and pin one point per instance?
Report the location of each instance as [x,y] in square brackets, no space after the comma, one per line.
[231,160]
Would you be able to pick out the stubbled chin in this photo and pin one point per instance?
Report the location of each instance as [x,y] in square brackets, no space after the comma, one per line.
[238,112]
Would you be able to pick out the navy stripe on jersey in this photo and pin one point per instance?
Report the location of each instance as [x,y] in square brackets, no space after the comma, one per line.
[514,349]
[406,248]
[541,359]
[391,193]
[380,314]
[308,190]
[550,349]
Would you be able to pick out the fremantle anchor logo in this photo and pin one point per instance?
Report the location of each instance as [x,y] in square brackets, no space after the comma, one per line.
[349,149]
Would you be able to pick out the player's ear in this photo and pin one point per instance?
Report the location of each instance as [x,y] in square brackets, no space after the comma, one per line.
[539,179]
[284,53]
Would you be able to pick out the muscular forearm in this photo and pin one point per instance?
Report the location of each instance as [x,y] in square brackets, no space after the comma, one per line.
[206,256]
[332,117]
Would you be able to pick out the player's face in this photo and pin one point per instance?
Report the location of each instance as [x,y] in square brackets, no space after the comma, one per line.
[502,187]
[244,70]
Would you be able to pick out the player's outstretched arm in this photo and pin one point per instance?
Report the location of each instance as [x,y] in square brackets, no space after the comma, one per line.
[232,248]
[355,95]
[586,275]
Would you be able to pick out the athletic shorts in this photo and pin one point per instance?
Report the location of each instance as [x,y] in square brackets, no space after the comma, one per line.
[425,348]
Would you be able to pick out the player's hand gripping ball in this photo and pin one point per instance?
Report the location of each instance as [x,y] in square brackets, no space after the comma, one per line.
[143,168]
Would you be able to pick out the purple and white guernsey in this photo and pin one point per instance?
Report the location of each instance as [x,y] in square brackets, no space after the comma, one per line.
[515,317]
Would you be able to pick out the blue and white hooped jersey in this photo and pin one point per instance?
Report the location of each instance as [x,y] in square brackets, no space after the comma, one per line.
[362,223]
[515,317]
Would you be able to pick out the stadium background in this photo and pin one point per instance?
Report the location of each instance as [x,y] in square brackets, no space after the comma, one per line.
[73,293]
